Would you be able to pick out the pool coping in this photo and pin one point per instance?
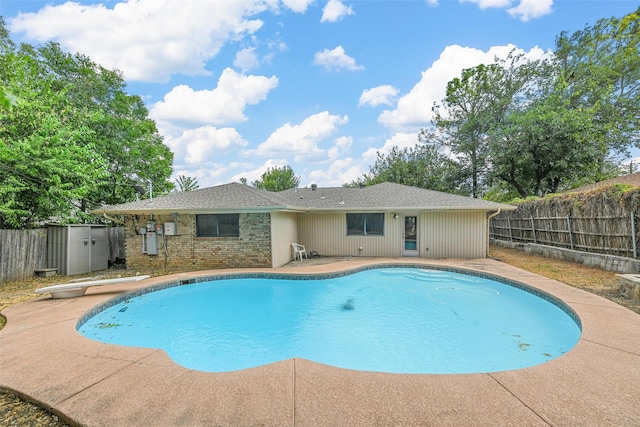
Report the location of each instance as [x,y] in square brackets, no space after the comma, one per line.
[44,358]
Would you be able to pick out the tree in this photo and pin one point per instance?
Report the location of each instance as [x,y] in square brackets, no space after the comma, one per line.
[600,69]
[277,179]
[534,127]
[542,147]
[186,183]
[473,104]
[577,110]
[86,140]
[424,166]
[124,134]
[7,100]
[44,170]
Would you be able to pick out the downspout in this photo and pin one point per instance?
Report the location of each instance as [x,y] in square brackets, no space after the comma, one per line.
[496,213]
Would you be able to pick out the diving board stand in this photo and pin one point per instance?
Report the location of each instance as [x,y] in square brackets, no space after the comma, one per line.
[77,289]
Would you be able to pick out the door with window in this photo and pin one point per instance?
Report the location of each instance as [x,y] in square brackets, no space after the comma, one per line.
[410,236]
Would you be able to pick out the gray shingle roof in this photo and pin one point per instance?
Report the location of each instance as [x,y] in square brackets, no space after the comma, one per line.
[236,197]
[386,196]
[228,197]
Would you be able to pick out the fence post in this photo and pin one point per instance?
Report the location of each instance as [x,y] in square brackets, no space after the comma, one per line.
[633,235]
[510,232]
[533,230]
[570,233]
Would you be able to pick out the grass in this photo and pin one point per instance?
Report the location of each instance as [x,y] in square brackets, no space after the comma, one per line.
[590,279]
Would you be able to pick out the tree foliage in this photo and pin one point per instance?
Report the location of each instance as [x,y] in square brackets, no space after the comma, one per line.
[576,113]
[526,128]
[473,104]
[277,179]
[423,166]
[186,183]
[73,140]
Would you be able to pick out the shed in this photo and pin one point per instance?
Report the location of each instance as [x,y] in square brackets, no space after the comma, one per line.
[77,249]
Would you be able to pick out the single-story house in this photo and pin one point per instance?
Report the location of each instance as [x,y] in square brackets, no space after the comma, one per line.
[235,225]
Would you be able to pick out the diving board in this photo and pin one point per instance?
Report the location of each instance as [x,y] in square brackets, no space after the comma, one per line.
[77,289]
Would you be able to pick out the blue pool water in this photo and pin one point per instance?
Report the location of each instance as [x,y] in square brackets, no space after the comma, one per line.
[399,320]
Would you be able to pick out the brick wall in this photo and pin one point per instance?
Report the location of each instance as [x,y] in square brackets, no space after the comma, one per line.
[187,251]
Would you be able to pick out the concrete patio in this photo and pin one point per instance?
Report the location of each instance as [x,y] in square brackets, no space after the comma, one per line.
[93,384]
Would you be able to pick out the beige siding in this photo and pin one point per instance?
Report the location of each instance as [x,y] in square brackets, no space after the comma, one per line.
[446,234]
[453,234]
[283,233]
[327,235]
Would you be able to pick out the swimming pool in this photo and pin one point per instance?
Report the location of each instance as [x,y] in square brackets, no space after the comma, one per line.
[394,319]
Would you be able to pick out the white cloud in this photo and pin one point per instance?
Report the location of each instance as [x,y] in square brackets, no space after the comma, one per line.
[342,171]
[336,59]
[334,11]
[223,105]
[380,95]
[210,173]
[205,141]
[301,140]
[203,144]
[255,174]
[340,148]
[298,6]
[246,59]
[148,40]
[414,109]
[346,169]
[400,140]
[485,4]
[525,10]
[529,9]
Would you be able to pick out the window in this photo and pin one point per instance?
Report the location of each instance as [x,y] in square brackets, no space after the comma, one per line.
[223,225]
[369,224]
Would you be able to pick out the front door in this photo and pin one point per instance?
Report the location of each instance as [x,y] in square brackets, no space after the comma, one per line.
[410,236]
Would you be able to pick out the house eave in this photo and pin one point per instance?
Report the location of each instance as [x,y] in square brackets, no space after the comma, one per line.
[412,209]
[192,211]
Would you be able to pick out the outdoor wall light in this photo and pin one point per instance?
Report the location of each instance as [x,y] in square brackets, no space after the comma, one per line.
[395,216]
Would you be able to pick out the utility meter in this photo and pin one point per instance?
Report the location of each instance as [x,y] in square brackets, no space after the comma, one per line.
[152,238]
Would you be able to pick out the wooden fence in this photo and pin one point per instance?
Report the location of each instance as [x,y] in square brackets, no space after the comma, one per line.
[115,238]
[610,234]
[23,251]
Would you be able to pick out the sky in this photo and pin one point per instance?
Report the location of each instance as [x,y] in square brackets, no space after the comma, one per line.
[237,87]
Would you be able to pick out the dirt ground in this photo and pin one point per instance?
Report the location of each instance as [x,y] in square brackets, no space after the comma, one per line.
[594,280]
[15,411]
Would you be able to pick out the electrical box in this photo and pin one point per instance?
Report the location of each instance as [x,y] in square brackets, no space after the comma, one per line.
[170,228]
[159,229]
[152,238]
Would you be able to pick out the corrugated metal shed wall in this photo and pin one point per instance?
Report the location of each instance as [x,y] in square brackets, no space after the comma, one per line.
[77,249]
